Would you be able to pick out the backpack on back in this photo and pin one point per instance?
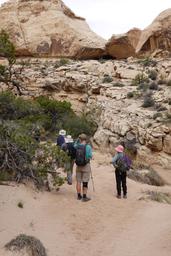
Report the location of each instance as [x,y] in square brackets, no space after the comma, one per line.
[80,158]
[123,164]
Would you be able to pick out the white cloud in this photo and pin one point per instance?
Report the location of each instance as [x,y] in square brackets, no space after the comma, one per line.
[107,17]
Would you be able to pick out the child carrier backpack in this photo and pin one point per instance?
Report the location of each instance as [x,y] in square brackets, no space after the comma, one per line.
[80,158]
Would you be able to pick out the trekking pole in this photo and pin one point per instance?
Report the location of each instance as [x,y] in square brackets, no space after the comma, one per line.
[92,180]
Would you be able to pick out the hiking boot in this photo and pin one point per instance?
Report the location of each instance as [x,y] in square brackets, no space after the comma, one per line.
[79,197]
[69,183]
[118,196]
[86,199]
[125,196]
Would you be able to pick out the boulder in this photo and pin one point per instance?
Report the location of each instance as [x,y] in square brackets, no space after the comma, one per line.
[49,28]
[157,35]
[123,46]
[167,144]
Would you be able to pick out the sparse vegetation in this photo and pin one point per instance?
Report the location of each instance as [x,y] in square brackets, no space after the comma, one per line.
[147,62]
[153,86]
[157,196]
[107,79]
[148,101]
[24,124]
[20,204]
[30,243]
[152,74]
[130,95]
[118,85]
[61,62]
[146,175]
[139,79]
[10,76]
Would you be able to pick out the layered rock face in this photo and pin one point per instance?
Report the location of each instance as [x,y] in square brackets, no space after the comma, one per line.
[104,91]
[157,35]
[49,28]
[123,46]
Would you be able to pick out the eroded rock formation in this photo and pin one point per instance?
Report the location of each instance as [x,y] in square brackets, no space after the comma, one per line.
[49,28]
[157,35]
[123,46]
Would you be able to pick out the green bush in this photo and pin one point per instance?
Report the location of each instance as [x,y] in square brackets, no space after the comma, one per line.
[147,62]
[130,95]
[139,78]
[148,101]
[152,74]
[107,79]
[118,85]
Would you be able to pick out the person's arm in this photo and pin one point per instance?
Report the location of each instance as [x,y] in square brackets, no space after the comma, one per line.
[114,159]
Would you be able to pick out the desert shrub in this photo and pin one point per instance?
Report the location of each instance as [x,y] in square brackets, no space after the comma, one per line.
[143,87]
[157,115]
[130,95]
[20,205]
[157,196]
[107,79]
[146,176]
[30,243]
[139,78]
[118,85]
[159,107]
[61,62]
[169,83]
[147,62]
[148,101]
[152,74]
[153,86]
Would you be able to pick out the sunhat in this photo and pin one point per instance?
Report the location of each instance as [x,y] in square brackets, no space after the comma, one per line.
[119,148]
[62,132]
[83,136]
[69,139]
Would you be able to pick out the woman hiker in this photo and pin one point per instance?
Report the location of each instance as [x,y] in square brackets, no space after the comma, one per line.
[122,164]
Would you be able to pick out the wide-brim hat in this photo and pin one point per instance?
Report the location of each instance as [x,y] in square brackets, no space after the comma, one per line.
[62,132]
[69,139]
[119,148]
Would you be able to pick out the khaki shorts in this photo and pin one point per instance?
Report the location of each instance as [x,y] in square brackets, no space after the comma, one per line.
[83,173]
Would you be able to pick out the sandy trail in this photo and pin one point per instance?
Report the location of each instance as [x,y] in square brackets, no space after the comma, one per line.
[104,226]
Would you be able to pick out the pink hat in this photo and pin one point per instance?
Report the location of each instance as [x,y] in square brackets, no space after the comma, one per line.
[119,148]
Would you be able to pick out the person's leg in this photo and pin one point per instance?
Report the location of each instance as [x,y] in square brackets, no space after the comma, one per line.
[78,183]
[118,183]
[124,186]
[86,178]
[70,172]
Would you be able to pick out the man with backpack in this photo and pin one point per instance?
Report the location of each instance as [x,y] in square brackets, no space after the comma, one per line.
[122,164]
[69,148]
[83,168]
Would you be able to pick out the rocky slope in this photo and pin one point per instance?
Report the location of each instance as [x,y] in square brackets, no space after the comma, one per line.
[130,100]
[49,28]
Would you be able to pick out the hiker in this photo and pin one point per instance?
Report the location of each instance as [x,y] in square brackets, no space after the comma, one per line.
[83,168]
[122,164]
[69,148]
[61,138]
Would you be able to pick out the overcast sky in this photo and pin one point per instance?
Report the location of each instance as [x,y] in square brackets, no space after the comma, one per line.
[107,17]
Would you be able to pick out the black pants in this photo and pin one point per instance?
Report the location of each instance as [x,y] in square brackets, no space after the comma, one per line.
[121,181]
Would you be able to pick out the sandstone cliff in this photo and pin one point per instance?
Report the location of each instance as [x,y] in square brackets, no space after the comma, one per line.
[123,46]
[49,28]
[157,35]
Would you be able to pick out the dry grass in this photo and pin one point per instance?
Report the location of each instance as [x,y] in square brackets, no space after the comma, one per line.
[33,245]
[160,197]
[146,176]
